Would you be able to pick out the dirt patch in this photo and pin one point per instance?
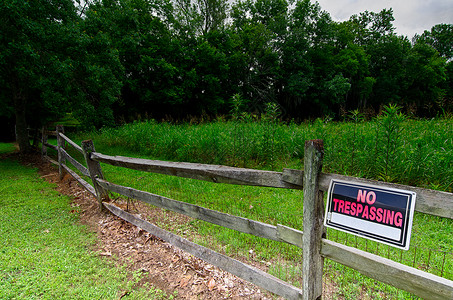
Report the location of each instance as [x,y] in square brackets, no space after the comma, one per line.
[161,264]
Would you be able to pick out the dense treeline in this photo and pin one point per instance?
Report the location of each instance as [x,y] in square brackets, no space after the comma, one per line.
[111,61]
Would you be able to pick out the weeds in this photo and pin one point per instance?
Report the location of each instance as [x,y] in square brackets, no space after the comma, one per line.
[388,142]
[390,147]
[377,149]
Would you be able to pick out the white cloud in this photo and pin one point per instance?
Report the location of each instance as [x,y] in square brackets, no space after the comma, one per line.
[411,16]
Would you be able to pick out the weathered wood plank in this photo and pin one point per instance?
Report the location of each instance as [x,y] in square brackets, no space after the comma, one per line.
[422,284]
[431,202]
[290,235]
[43,142]
[51,160]
[75,163]
[94,168]
[51,146]
[229,221]
[212,173]
[51,132]
[61,145]
[69,141]
[313,262]
[246,272]
[85,184]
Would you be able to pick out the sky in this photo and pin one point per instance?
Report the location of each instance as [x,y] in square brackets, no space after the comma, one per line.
[411,16]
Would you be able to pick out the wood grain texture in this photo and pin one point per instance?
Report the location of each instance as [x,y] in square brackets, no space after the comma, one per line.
[61,145]
[51,132]
[313,262]
[277,233]
[69,141]
[290,235]
[422,284]
[51,160]
[51,146]
[43,142]
[80,180]
[436,203]
[212,173]
[244,271]
[94,168]
[75,163]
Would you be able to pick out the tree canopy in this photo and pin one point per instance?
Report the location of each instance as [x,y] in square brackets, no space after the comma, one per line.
[113,61]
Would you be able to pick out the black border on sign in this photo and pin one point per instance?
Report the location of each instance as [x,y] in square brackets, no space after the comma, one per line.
[403,242]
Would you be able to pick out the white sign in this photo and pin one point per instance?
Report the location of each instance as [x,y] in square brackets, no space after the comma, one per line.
[380,214]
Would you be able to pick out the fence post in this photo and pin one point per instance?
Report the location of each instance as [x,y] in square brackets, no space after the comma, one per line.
[95,170]
[44,142]
[60,144]
[35,138]
[313,262]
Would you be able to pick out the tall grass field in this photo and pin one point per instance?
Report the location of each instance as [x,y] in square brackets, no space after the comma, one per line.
[391,147]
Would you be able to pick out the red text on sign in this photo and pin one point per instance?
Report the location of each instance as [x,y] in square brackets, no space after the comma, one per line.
[372,213]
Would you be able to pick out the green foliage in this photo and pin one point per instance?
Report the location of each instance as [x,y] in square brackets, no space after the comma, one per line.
[378,149]
[50,66]
[388,142]
[422,158]
[111,62]
[440,37]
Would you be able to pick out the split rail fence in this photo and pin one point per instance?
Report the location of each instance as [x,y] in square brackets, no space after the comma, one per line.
[315,247]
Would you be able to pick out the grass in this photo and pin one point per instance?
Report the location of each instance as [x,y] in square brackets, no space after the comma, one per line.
[391,148]
[44,252]
[6,148]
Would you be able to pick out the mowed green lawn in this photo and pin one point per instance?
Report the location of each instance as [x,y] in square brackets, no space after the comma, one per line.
[44,252]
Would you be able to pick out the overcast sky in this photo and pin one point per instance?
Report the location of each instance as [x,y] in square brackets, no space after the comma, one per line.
[411,16]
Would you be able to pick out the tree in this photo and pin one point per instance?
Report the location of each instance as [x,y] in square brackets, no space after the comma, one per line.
[34,34]
[440,37]
[49,66]
[199,17]
[138,30]
[260,29]
[312,82]
[387,63]
[426,73]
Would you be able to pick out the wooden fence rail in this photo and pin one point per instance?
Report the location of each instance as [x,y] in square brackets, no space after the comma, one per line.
[436,203]
[212,173]
[315,246]
[244,271]
[431,202]
[65,155]
[197,212]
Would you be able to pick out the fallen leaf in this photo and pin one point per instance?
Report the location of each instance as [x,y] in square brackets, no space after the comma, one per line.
[185,280]
[211,284]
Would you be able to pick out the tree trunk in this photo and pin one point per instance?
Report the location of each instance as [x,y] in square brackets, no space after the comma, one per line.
[21,123]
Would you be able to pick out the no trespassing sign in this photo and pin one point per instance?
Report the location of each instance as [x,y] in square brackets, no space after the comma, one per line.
[380,214]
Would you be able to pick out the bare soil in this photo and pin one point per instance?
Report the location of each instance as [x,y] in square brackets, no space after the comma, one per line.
[162,265]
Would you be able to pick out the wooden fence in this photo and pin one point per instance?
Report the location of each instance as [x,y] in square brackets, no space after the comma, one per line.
[312,242]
